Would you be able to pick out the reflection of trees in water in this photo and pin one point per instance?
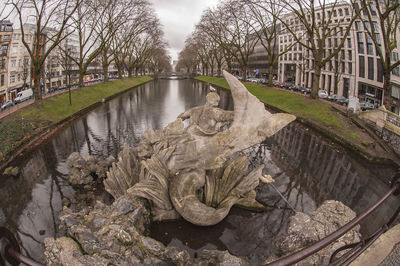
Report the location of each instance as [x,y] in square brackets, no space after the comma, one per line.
[34,200]
[320,170]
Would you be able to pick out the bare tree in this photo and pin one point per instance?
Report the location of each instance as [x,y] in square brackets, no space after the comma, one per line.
[6,9]
[381,21]
[84,25]
[51,18]
[311,23]
[227,25]
[266,25]
[187,59]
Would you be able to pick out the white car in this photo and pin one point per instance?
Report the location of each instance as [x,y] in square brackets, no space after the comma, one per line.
[323,94]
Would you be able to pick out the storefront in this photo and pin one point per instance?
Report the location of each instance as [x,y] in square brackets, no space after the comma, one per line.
[395,108]
[370,94]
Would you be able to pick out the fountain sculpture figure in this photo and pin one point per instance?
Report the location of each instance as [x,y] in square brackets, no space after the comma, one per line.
[197,172]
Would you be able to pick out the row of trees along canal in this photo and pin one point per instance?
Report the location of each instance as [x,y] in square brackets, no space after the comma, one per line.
[124,32]
[229,33]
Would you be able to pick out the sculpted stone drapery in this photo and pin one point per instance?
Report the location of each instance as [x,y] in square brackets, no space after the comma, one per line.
[186,171]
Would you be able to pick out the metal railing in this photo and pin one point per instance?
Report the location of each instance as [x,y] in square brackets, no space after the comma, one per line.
[10,251]
[357,248]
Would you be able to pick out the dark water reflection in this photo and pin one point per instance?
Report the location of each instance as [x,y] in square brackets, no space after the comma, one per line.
[307,169]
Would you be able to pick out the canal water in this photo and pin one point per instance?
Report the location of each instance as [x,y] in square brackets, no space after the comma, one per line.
[308,170]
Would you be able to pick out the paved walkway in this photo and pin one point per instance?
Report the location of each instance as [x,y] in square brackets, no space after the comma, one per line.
[384,251]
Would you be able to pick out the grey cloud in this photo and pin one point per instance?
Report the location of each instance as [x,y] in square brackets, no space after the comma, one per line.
[178,18]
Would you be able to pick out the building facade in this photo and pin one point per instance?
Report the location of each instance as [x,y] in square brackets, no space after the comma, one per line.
[6,31]
[355,71]
[297,65]
[19,69]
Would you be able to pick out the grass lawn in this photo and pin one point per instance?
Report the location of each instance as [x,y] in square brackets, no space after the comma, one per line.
[20,125]
[315,111]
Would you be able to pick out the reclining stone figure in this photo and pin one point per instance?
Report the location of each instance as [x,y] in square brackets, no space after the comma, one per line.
[207,119]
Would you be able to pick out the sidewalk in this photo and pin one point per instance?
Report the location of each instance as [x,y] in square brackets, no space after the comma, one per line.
[26,103]
[384,251]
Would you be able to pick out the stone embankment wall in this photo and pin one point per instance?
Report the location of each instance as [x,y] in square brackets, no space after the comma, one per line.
[386,124]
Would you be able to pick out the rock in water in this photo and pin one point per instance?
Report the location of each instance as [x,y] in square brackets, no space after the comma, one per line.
[304,230]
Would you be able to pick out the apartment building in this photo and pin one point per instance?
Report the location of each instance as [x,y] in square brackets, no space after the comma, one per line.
[19,69]
[355,71]
[369,66]
[6,31]
[297,65]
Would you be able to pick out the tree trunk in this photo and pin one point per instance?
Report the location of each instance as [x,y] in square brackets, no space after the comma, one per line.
[244,73]
[387,91]
[219,69]
[81,74]
[36,82]
[270,74]
[105,72]
[119,69]
[315,86]
[212,71]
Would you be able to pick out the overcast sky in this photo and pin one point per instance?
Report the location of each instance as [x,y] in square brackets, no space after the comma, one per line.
[178,18]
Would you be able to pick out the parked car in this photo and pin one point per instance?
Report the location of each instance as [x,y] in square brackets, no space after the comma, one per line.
[287,85]
[323,94]
[366,106]
[305,90]
[6,105]
[23,96]
[252,79]
[342,100]
[332,97]
[277,84]
[338,99]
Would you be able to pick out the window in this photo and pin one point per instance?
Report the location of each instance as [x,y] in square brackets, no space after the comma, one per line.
[350,55]
[380,70]
[343,68]
[370,46]
[372,9]
[370,68]
[376,27]
[341,12]
[6,37]
[3,63]
[4,49]
[395,58]
[360,40]
[19,77]
[358,25]
[378,39]
[350,68]
[348,42]
[361,65]
[346,11]
[2,80]
[12,79]
[13,63]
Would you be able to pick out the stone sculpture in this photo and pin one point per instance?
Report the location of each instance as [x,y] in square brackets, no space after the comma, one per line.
[196,172]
